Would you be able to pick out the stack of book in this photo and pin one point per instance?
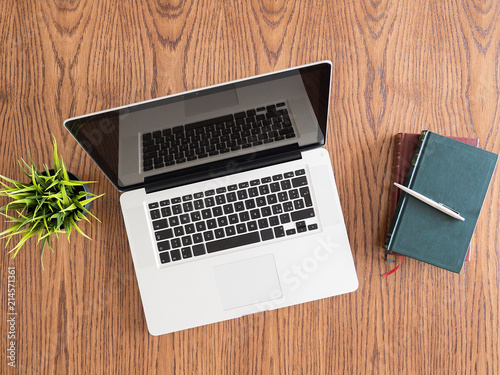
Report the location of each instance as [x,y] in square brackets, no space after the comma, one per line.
[451,171]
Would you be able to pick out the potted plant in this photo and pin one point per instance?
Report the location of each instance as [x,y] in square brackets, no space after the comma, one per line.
[49,202]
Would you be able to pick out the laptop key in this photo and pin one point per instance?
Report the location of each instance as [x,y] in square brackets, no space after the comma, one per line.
[264,189]
[253,192]
[164,234]
[279,232]
[285,185]
[285,218]
[298,204]
[177,129]
[267,234]
[265,180]
[164,257]
[299,181]
[252,225]
[275,186]
[207,214]
[195,216]
[303,214]
[300,224]
[231,242]
[186,241]
[217,211]
[198,204]
[179,231]
[261,201]
[271,199]
[302,229]
[198,250]
[266,211]
[282,196]
[208,235]
[155,214]
[263,223]
[255,214]
[304,192]
[209,202]
[222,221]
[163,245]
[211,224]
[175,255]
[230,231]
[274,221]
[186,252]
[150,155]
[160,224]
[174,221]
[312,226]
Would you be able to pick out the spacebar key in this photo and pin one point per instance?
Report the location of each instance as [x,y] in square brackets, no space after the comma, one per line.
[228,243]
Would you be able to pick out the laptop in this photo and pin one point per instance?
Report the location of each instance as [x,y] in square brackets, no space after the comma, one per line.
[228,197]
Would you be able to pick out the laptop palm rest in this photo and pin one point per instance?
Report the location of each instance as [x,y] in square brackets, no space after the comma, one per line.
[247,282]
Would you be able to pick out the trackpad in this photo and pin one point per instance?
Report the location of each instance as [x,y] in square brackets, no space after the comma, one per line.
[247,282]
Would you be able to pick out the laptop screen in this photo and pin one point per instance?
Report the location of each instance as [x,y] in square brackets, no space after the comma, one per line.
[241,120]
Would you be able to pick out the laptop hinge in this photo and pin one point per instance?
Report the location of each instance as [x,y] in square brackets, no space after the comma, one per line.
[218,169]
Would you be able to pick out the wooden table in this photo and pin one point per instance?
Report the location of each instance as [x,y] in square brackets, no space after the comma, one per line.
[398,66]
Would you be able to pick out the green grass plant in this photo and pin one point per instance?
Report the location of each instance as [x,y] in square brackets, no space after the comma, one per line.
[48,203]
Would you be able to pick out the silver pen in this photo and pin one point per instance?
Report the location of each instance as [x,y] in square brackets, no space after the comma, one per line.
[439,206]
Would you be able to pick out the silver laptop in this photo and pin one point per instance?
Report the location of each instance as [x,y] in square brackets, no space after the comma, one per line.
[229,199]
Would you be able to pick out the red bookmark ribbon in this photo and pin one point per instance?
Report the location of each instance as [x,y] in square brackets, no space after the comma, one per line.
[395,268]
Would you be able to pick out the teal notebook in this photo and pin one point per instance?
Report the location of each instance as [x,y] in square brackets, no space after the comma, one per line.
[452,173]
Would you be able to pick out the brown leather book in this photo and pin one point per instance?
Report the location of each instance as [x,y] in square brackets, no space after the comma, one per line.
[405,146]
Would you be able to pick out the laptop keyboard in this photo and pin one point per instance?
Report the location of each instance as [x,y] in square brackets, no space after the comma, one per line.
[216,136]
[214,220]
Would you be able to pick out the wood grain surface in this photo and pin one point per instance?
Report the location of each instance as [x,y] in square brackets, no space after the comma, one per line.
[398,66]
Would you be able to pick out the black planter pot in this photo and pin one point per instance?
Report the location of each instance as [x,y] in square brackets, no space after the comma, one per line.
[84,188]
